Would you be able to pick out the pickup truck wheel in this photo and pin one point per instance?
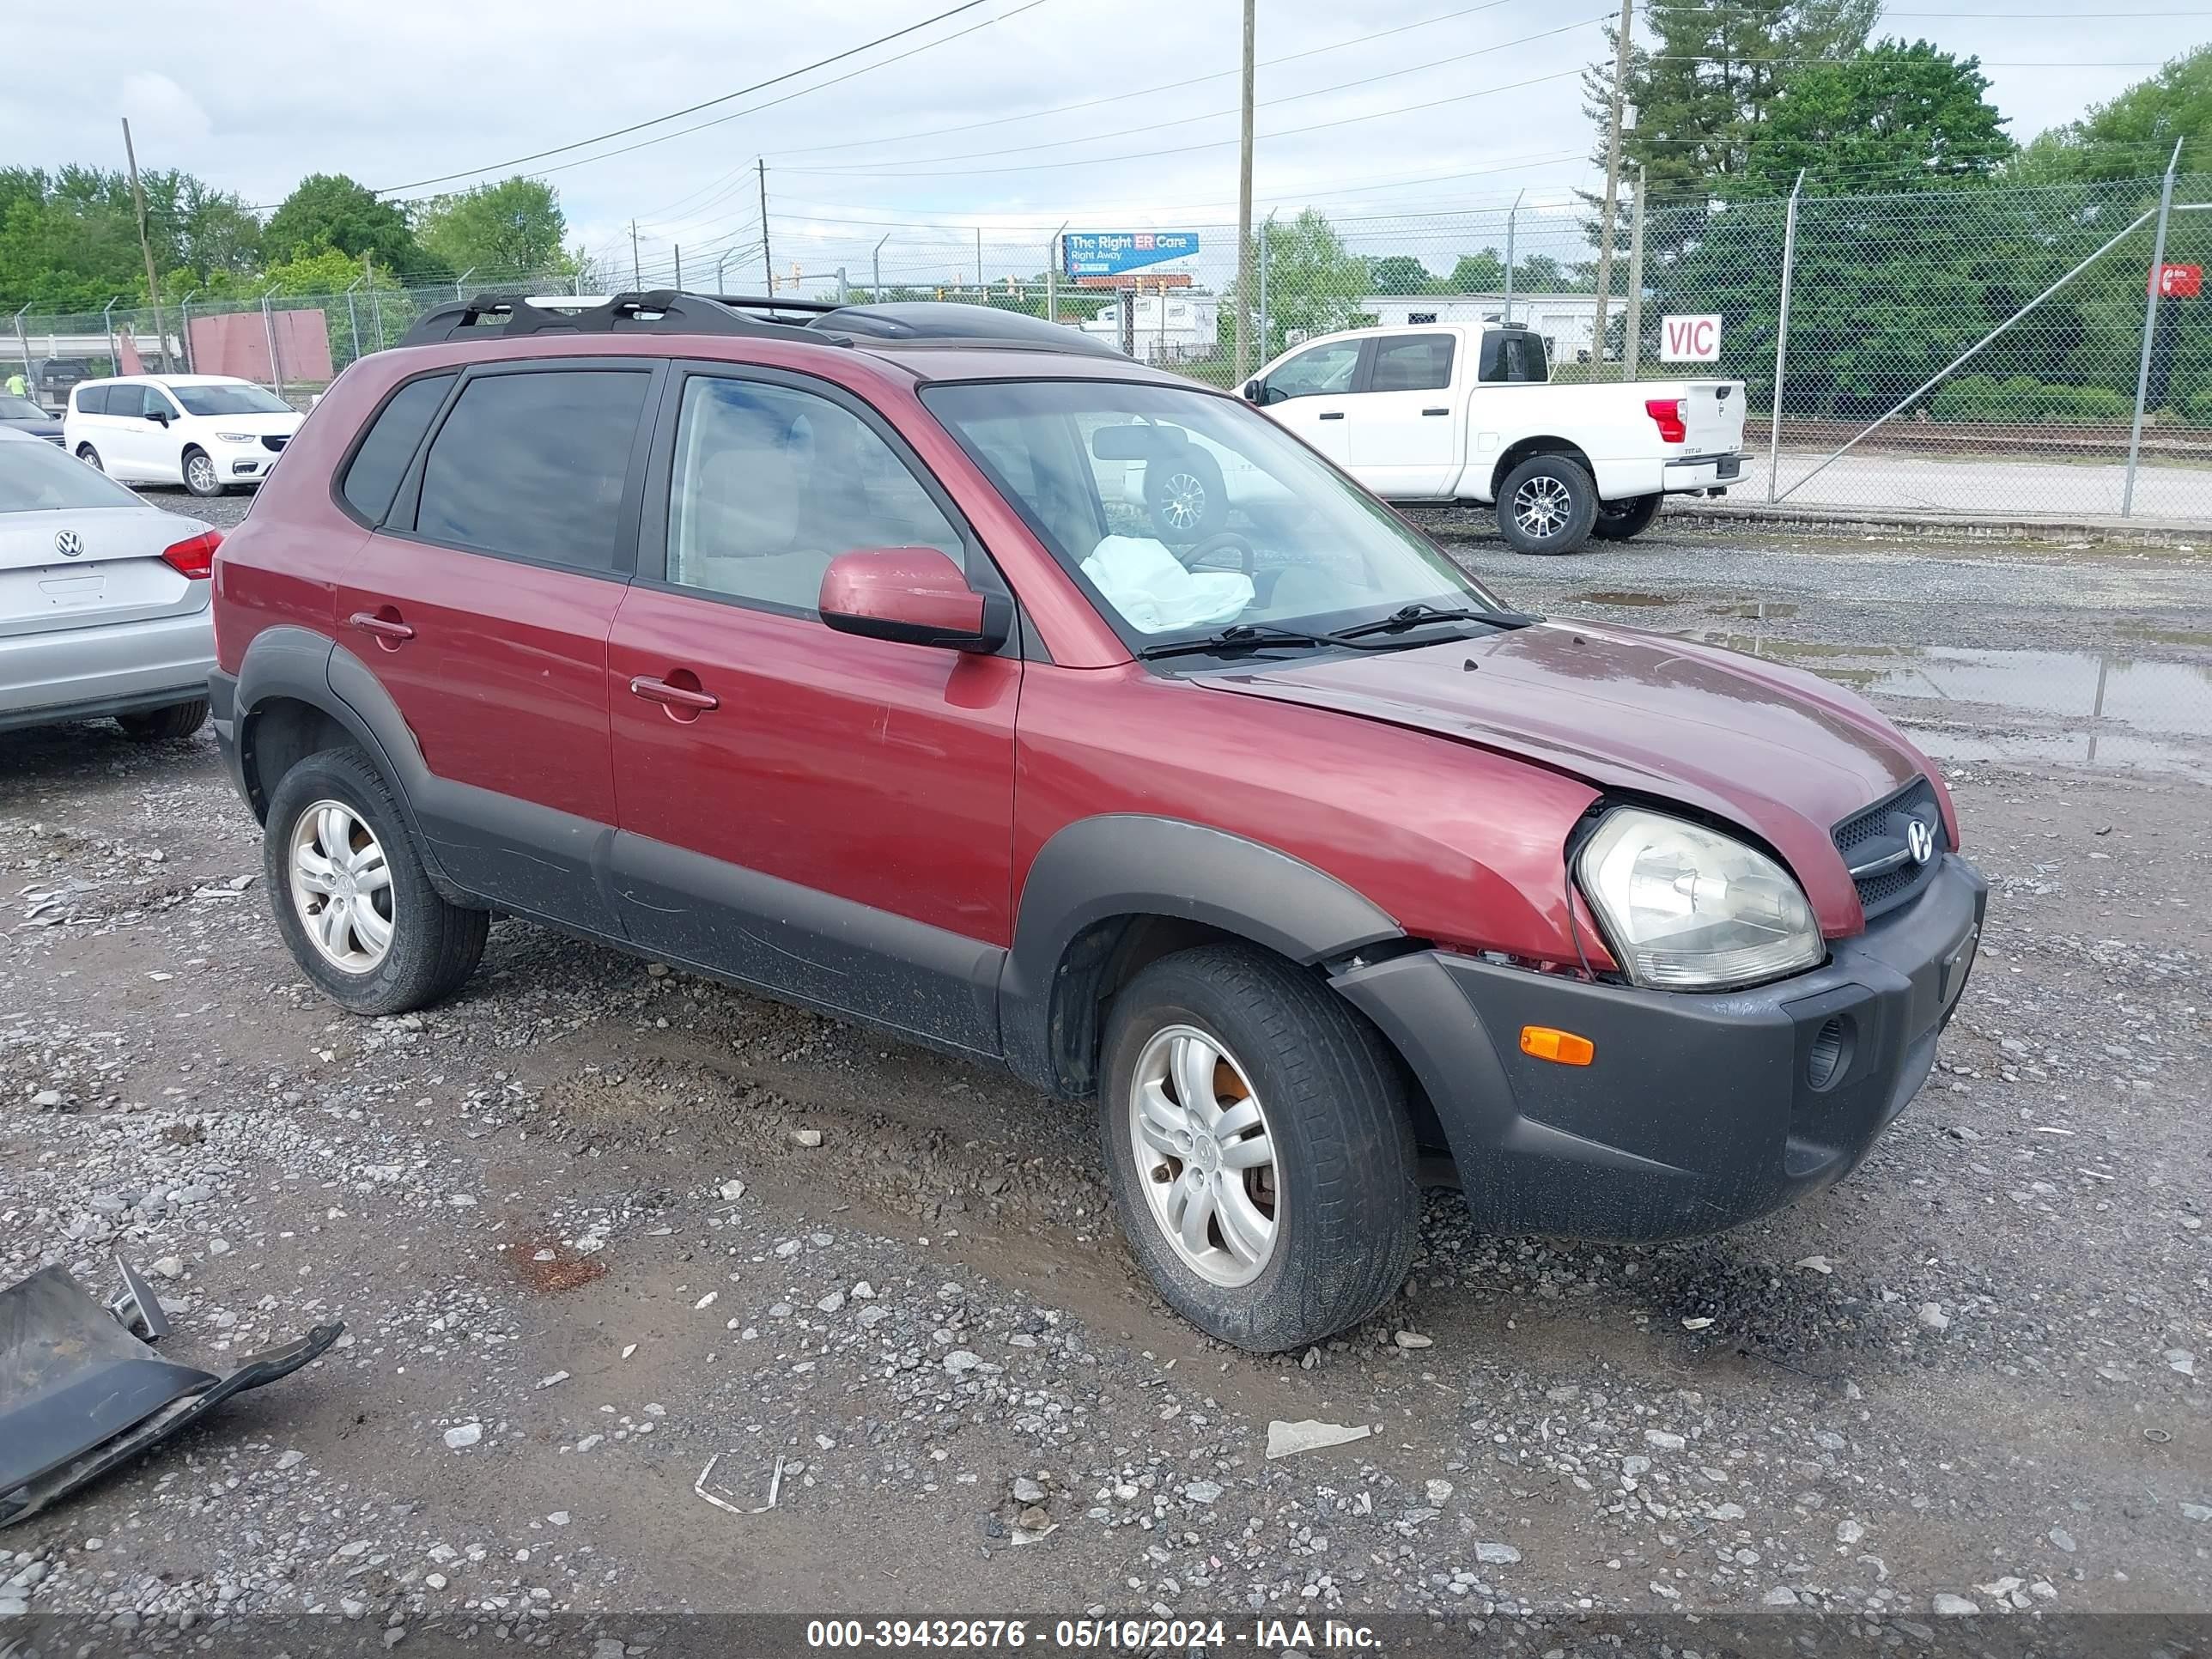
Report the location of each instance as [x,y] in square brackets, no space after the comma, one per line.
[353,902]
[1617,521]
[1546,505]
[1261,1152]
[1185,496]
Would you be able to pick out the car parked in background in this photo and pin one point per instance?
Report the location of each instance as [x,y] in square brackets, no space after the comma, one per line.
[1446,412]
[816,652]
[21,414]
[207,432]
[103,600]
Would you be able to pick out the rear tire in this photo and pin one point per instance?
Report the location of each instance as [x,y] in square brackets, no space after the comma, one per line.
[1620,521]
[1334,1201]
[169,725]
[199,473]
[1546,505]
[409,948]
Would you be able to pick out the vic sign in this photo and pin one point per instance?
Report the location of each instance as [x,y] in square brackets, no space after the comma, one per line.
[1689,339]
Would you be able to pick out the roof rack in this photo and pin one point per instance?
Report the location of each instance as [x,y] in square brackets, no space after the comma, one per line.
[659,311]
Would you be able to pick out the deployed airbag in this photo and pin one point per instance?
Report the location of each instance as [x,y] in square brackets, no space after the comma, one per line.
[1149,585]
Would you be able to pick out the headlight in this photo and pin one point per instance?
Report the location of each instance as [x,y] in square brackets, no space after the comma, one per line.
[1690,909]
[237,437]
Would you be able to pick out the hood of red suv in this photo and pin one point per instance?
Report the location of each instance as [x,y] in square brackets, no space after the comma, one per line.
[1779,752]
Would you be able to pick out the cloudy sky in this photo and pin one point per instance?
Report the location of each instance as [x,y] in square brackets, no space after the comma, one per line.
[1124,112]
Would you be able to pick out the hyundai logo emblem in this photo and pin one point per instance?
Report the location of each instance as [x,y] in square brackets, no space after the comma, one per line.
[1921,839]
[68,543]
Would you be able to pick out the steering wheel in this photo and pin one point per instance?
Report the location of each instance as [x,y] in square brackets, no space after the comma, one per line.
[1248,558]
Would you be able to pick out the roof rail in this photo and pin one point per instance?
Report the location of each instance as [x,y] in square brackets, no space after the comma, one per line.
[659,311]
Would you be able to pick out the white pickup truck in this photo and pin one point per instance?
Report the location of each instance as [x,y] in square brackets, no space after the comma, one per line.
[1449,412]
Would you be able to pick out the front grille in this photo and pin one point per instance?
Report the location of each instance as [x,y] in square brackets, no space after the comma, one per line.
[1880,836]
[274,443]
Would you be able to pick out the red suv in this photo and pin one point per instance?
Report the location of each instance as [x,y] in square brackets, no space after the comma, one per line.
[831,651]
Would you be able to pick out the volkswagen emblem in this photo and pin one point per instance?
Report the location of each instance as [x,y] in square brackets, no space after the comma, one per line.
[68,543]
[1921,839]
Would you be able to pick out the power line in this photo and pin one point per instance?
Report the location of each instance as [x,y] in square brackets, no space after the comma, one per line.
[693,109]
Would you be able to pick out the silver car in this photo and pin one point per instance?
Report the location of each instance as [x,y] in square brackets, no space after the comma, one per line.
[103,599]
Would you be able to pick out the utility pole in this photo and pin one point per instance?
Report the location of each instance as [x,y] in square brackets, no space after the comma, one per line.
[636,280]
[679,267]
[1244,210]
[767,259]
[146,246]
[1632,337]
[980,297]
[1612,174]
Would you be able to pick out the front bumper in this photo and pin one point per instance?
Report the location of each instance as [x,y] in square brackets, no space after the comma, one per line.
[1699,1111]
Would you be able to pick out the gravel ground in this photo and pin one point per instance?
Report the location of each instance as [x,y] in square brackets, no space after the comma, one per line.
[593,1224]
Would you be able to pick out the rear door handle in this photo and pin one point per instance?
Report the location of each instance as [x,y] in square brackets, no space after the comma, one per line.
[384,628]
[1333,415]
[1436,411]
[676,696]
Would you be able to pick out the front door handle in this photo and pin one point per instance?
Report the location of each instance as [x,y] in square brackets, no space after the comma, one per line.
[384,628]
[1333,415]
[1436,411]
[675,696]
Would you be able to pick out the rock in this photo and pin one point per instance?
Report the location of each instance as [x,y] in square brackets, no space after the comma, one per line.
[732,1191]
[2061,1538]
[961,1361]
[2181,1360]
[1414,1339]
[1662,1439]
[1819,1264]
[807,1137]
[2197,1512]
[466,1435]
[1439,1493]
[832,1302]
[558,1518]
[1288,1439]
[170,1266]
[1954,1607]
[1496,1555]
[291,1460]
[1780,1596]
[1849,1532]
[1203,1491]
[194,1194]
[47,1099]
[1033,1519]
[1932,1318]
[547,1381]
[435,1580]
[1027,1490]
[864,1292]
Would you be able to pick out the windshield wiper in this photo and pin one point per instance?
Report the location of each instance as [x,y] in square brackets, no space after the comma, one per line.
[1421,613]
[1241,636]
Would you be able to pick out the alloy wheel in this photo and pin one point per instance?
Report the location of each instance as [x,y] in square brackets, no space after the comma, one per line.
[200,473]
[1205,1155]
[342,887]
[1183,501]
[1543,506]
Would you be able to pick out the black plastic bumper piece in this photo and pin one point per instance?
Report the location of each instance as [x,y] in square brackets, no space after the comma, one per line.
[222,714]
[1698,1111]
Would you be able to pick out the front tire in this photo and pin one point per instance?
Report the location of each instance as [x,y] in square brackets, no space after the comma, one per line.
[90,457]
[1259,1146]
[200,476]
[353,902]
[170,725]
[1185,496]
[1620,521]
[1546,505]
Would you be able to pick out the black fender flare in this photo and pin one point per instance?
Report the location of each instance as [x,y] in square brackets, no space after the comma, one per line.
[1126,864]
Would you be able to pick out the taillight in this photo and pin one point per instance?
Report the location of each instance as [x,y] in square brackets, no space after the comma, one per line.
[195,556]
[1673,415]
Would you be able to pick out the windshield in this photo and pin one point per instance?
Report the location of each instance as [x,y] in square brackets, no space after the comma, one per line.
[228,400]
[1183,513]
[21,409]
[37,478]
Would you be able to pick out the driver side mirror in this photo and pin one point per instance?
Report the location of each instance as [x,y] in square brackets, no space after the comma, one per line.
[914,595]
[159,417]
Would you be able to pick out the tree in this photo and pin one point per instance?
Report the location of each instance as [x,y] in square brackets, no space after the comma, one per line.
[2135,134]
[1315,284]
[1893,117]
[1398,273]
[1477,273]
[68,240]
[515,226]
[330,210]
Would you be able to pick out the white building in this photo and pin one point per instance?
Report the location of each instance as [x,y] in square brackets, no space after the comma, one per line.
[1168,327]
[1567,321]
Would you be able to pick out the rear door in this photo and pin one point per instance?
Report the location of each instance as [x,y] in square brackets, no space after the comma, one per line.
[1401,428]
[828,817]
[482,605]
[1311,392]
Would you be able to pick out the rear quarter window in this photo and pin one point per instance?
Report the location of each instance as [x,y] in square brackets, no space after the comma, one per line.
[372,479]
[91,399]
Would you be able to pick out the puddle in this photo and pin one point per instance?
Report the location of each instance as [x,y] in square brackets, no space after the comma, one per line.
[2088,708]
[1622,598]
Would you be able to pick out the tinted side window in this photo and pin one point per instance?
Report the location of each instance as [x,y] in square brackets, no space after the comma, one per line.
[1514,355]
[91,400]
[532,465]
[771,483]
[381,462]
[1324,370]
[1416,362]
[156,401]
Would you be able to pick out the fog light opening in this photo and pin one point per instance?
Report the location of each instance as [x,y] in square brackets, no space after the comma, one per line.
[1830,1056]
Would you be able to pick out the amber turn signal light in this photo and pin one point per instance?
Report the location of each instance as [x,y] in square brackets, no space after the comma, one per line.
[1548,1043]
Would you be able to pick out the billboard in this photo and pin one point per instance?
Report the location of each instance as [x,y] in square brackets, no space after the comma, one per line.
[1116,252]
